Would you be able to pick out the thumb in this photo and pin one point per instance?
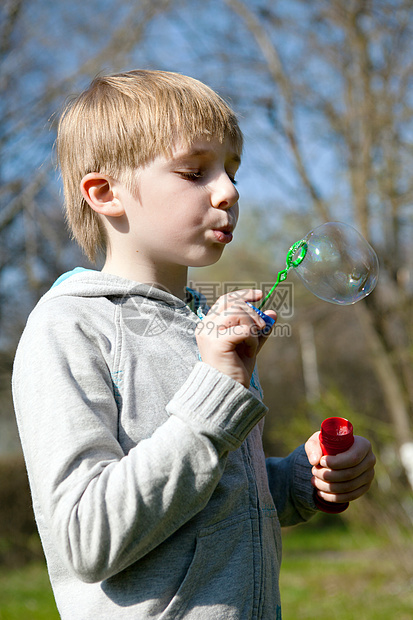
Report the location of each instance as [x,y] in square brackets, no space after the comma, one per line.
[263,336]
[313,449]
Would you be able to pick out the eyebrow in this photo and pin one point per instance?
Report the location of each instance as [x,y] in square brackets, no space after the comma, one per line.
[202,153]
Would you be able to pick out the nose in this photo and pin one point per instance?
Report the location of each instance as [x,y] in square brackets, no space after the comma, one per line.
[224,194]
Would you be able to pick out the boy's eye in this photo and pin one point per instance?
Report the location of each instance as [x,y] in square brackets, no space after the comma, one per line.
[196,175]
[192,176]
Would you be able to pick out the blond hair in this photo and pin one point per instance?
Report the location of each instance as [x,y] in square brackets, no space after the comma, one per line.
[125,121]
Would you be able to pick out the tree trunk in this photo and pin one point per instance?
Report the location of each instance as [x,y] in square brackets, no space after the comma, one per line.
[392,390]
[309,361]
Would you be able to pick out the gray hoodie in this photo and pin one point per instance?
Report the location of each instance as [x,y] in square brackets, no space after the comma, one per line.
[150,488]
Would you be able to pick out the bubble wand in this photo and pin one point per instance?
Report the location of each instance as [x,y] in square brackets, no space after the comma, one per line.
[290,262]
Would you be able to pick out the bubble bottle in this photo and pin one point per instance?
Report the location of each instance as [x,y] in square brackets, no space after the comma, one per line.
[336,435]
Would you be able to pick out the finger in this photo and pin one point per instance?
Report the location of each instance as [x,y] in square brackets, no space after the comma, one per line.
[234,303]
[346,486]
[360,449]
[337,475]
[257,316]
[240,315]
[242,295]
[270,318]
[240,312]
[366,469]
[247,294]
[344,497]
[241,334]
[272,314]
[313,449]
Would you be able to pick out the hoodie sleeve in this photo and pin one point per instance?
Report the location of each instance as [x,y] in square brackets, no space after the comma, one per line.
[104,509]
[290,485]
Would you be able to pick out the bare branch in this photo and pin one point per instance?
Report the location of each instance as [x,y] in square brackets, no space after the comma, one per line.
[18,203]
[9,12]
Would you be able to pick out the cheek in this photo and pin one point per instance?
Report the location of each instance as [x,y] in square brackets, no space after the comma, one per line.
[185,219]
[184,229]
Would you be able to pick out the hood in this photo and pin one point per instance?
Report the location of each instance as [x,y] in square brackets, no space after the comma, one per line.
[82,282]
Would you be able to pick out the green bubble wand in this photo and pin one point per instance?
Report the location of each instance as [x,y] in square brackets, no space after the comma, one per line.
[290,262]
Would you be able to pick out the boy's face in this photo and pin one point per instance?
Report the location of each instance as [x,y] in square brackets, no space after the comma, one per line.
[186,206]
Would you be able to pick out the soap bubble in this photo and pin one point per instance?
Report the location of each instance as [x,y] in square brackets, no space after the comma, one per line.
[339,265]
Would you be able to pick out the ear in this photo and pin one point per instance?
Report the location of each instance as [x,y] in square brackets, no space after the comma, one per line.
[100,193]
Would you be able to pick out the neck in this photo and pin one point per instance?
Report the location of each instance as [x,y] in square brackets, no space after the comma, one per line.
[172,279]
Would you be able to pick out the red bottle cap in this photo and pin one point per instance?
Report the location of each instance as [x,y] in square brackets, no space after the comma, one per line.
[336,435]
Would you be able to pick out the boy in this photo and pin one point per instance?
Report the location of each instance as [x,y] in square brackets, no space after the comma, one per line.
[141,419]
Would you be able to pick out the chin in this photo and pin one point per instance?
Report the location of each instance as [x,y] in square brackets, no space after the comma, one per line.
[206,261]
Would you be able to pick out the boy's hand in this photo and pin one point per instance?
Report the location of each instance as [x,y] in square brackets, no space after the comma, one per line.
[229,338]
[345,476]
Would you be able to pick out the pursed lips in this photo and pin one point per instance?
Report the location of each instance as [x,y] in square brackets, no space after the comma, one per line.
[225,228]
[223,234]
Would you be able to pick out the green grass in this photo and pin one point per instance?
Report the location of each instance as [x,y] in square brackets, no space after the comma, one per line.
[335,574]
[25,594]
[329,572]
